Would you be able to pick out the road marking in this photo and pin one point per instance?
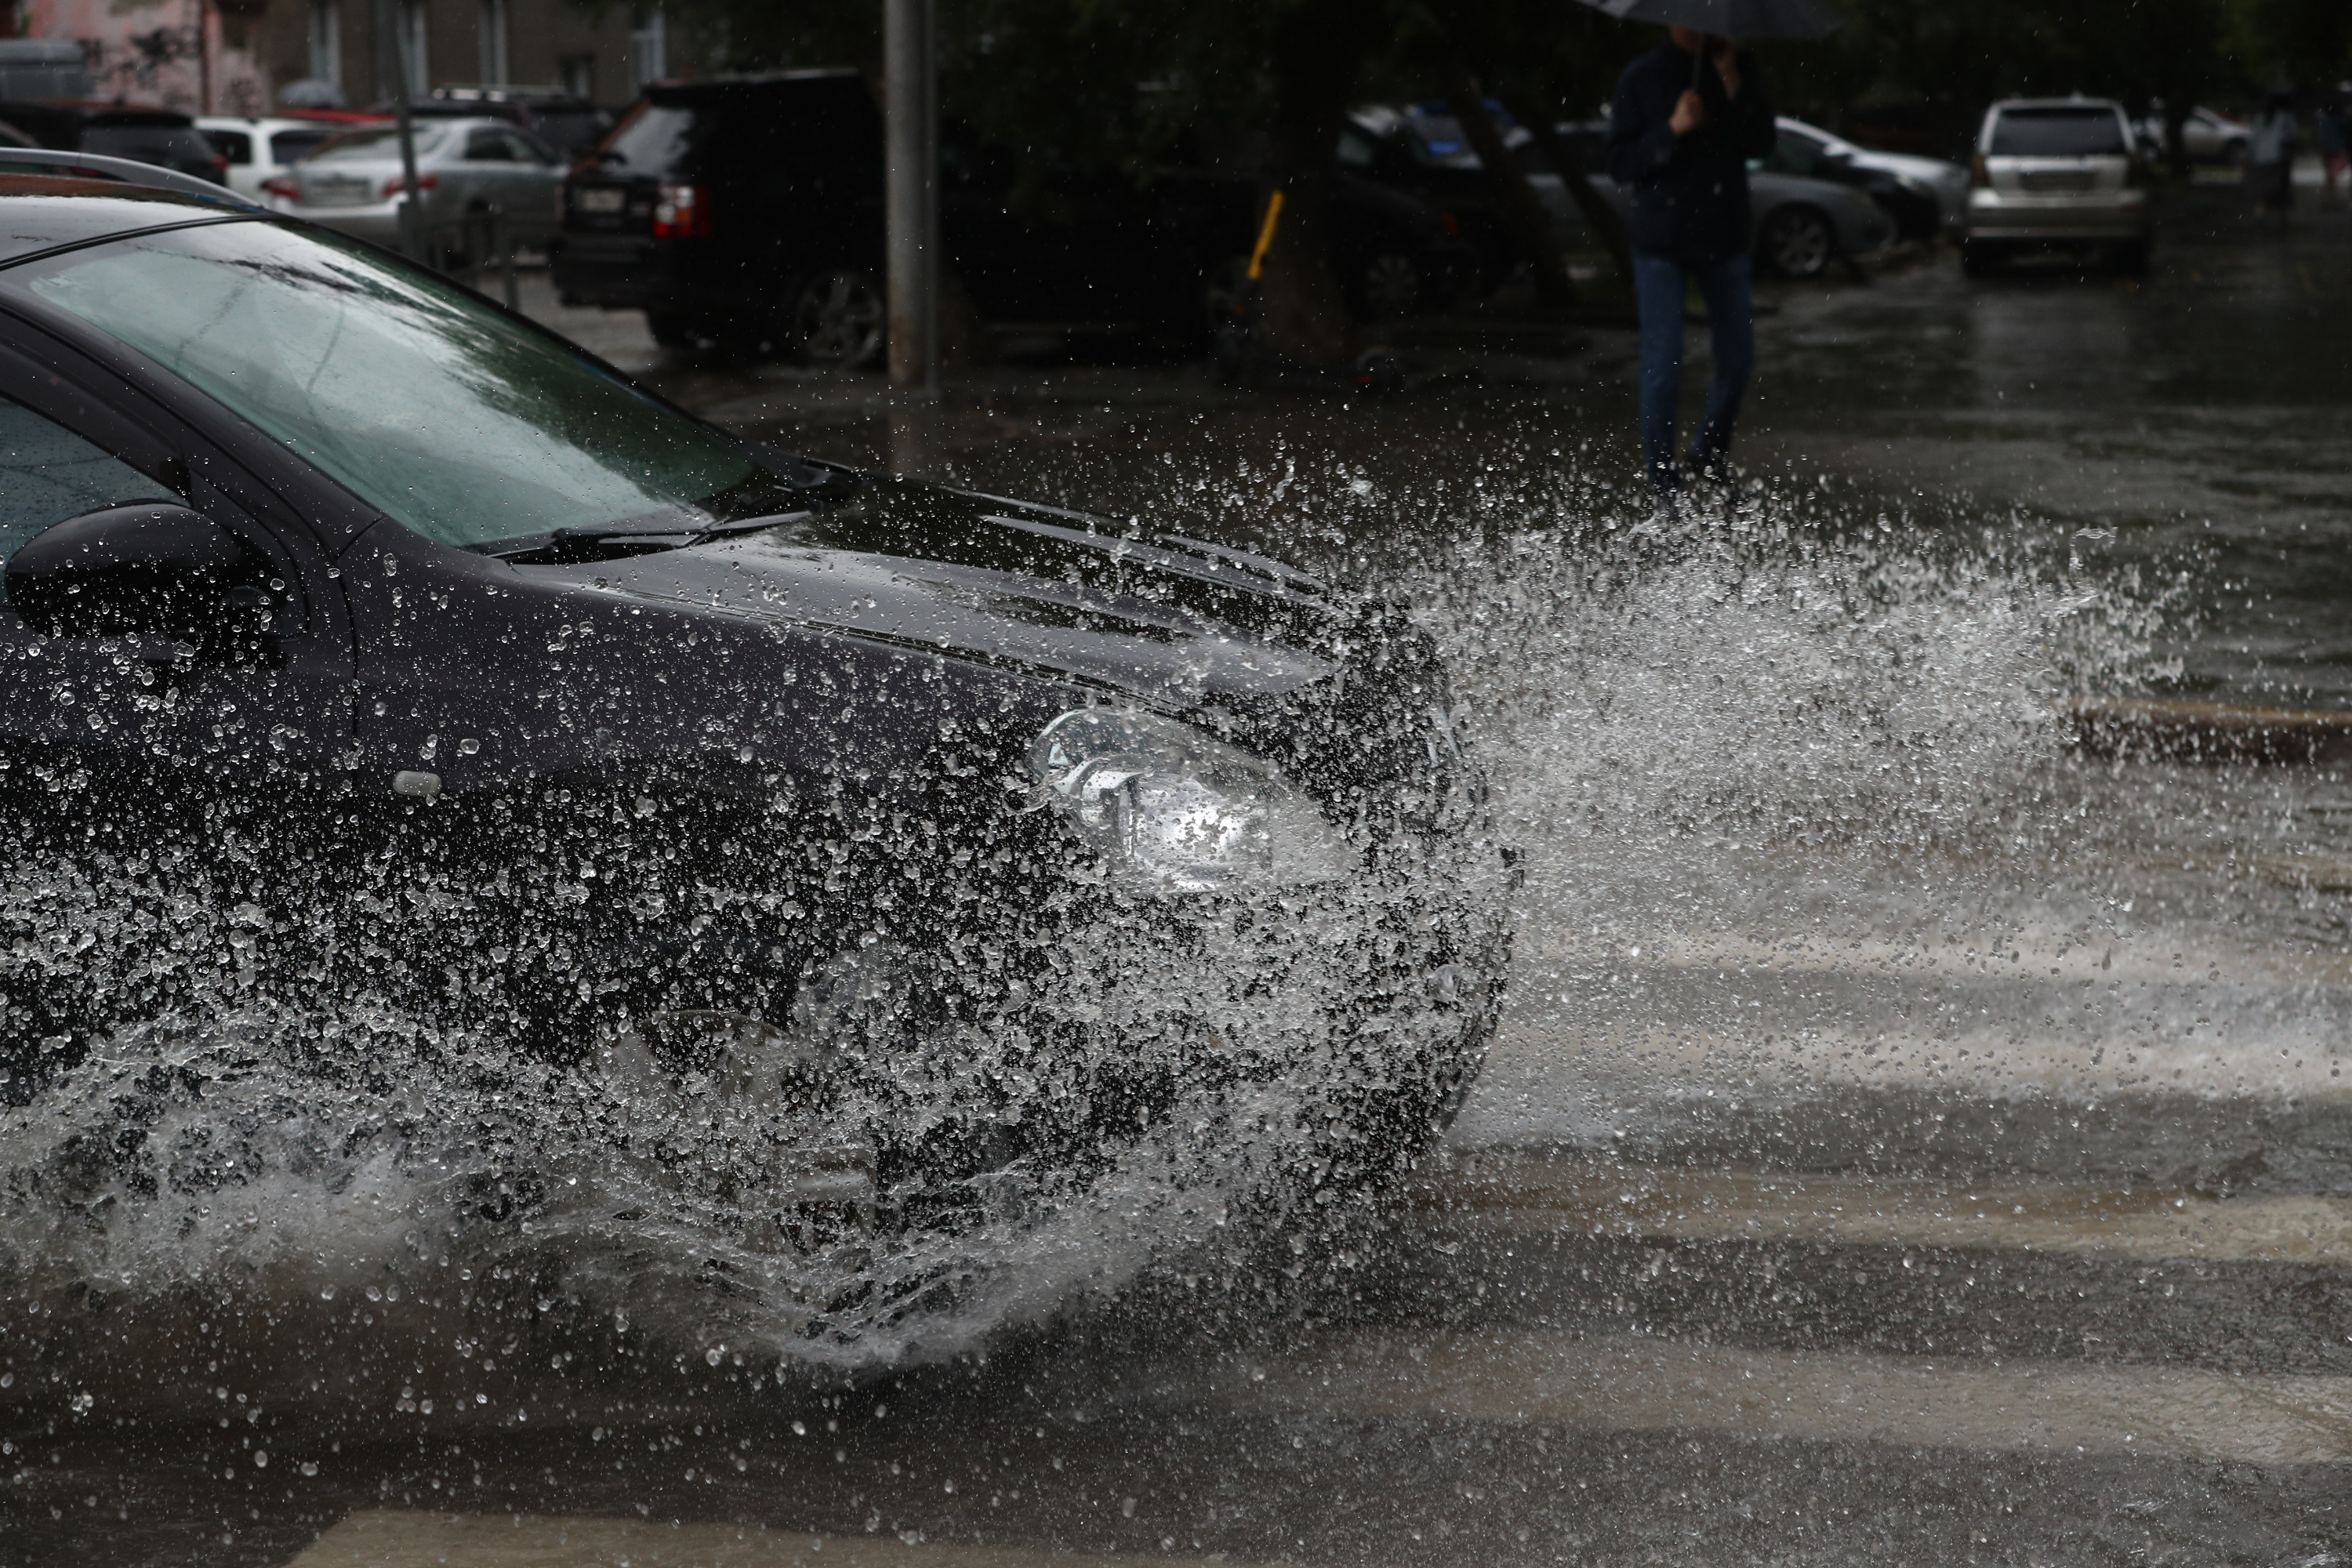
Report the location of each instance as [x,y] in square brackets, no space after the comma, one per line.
[1540,1378]
[1526,1197]
[392,1538]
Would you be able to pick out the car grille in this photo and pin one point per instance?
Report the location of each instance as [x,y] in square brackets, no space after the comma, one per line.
[2044,182]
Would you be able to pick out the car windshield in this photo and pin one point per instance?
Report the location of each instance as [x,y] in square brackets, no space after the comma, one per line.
[376,146]
[287,146]
[449,416]
[652,140]
[2058,133]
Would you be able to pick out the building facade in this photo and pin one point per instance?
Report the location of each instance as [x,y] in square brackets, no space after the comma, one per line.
[235,57]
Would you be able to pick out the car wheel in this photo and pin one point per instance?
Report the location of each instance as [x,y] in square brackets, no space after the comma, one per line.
[1798,243]
[837,318]
[1388,285]
[1979,259]
[673,329]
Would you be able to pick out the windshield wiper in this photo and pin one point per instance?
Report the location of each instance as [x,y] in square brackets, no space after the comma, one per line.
[569,546]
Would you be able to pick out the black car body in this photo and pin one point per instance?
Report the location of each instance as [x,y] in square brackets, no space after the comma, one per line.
[844,866]
[749,211]
[163,137]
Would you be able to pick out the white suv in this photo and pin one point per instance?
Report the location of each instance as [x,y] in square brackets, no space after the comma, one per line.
[2055,172]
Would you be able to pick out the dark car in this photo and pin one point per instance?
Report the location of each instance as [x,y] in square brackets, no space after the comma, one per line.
[1911,205]
[414,731]
[163,137]
[564,120]
[748,212]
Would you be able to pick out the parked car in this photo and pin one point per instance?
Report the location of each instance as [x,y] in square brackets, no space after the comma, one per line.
[2207,135]
[569,123]
[2060,172]
[647,829]
[1925,196]
[1422,150]
[748,212]
[260,150]
[163,137]
[466,169]
[1801,225]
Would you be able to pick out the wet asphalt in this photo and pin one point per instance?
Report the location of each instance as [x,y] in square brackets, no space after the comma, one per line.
[1696,1278]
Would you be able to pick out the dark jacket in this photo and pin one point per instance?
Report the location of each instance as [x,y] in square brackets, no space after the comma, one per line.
[1689,192]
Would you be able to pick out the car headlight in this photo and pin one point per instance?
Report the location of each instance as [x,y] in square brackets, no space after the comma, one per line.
[1178,811]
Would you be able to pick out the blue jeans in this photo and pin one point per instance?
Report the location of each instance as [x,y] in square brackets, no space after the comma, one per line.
[1658,285]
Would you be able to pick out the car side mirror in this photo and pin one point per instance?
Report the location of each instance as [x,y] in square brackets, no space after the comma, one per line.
[153,569]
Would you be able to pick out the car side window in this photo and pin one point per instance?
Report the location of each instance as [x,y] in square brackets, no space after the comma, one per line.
[234,145]
[489,147]
[48,474]
[523,150]
[1355,150]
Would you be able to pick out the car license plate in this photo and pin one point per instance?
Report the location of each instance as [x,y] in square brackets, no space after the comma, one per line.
[605,201]
[335,191]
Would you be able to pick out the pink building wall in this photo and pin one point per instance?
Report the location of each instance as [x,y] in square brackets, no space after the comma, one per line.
[167,52]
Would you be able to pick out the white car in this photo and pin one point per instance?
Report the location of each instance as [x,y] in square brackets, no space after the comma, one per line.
[466,170]
[261,149]
[1940,177]
[2056,172]
[2207,137]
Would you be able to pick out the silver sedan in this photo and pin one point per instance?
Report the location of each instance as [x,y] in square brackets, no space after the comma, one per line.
[466,172]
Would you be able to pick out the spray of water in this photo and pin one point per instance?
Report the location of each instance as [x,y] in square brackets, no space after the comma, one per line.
[1788,723]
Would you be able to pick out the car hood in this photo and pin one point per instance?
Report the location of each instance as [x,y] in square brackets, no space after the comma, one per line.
[1174,622]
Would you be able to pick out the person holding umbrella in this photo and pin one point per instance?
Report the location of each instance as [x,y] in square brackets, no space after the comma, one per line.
[1687,116]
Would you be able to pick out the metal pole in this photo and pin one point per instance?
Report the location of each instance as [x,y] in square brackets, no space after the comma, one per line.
[412,212]
[912,151]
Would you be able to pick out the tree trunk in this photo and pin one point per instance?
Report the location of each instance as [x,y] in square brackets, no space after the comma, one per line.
[1602,219]
[1317,56]
[1523,211]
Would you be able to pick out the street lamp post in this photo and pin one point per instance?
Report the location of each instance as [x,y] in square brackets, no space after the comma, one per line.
[910,84]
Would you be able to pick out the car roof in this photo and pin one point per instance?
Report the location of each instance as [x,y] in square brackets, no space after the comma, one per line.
[2087,104]
[38,213]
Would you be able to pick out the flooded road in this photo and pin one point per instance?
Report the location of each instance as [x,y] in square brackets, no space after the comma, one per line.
[1909,1139]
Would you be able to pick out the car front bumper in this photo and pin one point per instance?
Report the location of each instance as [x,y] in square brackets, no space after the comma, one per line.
[2096,216]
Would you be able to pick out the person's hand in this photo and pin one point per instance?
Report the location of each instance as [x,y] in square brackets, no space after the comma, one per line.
[1690,113]
[1727,65]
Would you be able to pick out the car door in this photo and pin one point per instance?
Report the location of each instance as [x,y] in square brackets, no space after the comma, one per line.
[141,716]
[537,177]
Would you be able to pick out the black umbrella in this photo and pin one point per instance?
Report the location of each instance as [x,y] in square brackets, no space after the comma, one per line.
[1730,18]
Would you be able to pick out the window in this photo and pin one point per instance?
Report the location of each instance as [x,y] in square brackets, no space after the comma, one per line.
[649,47]
[1355,150]
[489,147]
[326,42]
[491,25]
[415,53]
[288,146]
[578,75]
[48,474]
[419,398]
[234,145]
[2058,133]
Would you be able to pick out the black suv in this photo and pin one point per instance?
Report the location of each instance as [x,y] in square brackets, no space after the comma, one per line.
[749,212]
[162,137]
